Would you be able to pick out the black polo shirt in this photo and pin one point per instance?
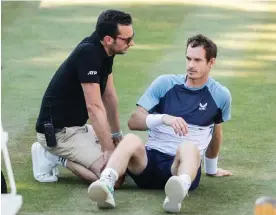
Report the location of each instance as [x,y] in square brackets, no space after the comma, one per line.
[64,99]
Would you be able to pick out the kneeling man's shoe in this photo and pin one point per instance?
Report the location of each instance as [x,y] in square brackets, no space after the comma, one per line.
[44,170]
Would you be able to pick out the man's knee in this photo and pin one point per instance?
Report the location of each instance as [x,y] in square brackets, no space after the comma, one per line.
[132,142]
[188,149]
[132,137]
[138,159]
[188,146]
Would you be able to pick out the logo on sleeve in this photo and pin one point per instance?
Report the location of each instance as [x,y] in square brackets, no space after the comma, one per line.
[92,73]
[202,107]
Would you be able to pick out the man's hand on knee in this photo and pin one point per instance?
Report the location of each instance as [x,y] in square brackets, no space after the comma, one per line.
[106,155]
[98,166]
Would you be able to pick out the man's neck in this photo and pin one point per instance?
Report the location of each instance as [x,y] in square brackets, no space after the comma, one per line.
[108,52]
[196,83]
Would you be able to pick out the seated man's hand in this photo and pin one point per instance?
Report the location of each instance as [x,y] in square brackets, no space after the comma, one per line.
[222,172]
[177,123]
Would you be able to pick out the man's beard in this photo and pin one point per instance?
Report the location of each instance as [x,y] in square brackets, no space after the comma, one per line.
[121,52]
[190,76]
[116,52]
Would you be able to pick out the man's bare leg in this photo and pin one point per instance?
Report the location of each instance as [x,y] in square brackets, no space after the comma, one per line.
[131,154]
[184,170]
[44,162]
[187,160]
[81,171]
[91,174]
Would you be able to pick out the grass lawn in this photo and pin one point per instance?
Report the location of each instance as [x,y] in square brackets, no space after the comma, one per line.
[36,39]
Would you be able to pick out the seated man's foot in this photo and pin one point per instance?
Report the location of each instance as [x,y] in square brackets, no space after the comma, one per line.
[175,194]
[44,170]
[101,191]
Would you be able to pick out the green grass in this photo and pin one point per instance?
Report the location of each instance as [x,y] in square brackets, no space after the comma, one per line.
[36,40]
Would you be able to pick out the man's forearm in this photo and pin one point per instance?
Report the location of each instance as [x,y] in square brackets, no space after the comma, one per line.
[214,146]
[111,107]
[101,127]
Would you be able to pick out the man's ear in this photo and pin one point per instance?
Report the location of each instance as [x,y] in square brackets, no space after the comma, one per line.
[212,62]
[108,40]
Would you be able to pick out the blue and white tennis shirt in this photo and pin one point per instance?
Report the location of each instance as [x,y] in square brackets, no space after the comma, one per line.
[200,107]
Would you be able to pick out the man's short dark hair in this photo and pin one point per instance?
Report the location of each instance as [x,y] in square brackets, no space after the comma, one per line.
[107,24]
[209,46]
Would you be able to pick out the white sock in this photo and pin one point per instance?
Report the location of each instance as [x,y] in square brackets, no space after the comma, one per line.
[62,161]
[56,159]
[186,180]
[110,175]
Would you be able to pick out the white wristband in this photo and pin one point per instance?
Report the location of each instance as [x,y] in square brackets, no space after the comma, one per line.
[154,120]
[210,165]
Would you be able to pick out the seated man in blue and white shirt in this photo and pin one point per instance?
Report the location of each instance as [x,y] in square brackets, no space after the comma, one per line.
[183,114]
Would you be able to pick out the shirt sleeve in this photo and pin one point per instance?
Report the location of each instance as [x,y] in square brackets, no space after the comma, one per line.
[151,98]
[89,64]
[225,109]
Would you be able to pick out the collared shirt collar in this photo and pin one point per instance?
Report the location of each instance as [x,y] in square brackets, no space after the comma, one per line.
[195,88]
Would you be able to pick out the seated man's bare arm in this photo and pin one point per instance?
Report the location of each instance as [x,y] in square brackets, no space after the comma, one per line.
[137,119]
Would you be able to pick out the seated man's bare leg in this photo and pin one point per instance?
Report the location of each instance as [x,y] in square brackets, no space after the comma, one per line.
[98,167]
[131,154]
[184,170]
[187,160]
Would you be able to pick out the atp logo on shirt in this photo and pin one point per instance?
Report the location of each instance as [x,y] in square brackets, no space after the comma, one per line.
[92,73]
[202,107]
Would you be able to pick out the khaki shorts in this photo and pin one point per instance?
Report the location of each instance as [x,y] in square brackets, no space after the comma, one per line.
[77,144]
